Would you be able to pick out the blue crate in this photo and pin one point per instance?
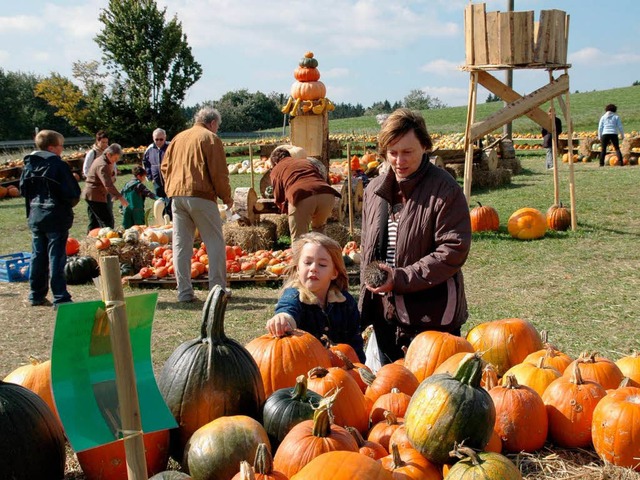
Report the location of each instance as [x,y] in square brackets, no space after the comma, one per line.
[15,267]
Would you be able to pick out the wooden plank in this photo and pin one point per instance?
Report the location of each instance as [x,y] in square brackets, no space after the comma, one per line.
[520,107]
[307,132]
[480,53]
[566,38]
[523,37]
[559,37]
[541,52]
[505,27]
[468,35]
[506,93]
[493,37]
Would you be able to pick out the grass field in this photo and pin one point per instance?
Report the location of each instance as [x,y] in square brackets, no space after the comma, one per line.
[580,286]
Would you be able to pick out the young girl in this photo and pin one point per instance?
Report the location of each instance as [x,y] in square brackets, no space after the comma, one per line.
[315,297]
[135,192]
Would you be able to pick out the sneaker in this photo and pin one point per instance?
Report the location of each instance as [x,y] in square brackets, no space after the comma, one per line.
[228,292]
[45,302]
[55,305]
[190,299]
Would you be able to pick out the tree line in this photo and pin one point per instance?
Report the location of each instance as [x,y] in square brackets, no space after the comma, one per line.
[146,69]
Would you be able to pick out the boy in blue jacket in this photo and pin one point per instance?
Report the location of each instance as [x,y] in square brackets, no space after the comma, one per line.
[50,193]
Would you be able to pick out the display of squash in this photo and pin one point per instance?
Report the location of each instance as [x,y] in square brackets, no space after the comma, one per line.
[31,439]
[505,342]
[287,407]
[215,450]
[527,224]
[484,219]
[449,409]
[209,377]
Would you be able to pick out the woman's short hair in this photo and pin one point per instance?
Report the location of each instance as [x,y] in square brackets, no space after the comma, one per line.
[398,124]
[207,115]
[113,149]
[278,154]
[100,134]
[611,108]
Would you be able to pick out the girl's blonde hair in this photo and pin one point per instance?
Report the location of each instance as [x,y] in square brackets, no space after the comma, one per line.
[334,250]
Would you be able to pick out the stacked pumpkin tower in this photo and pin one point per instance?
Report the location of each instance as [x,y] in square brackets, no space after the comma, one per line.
[308,93]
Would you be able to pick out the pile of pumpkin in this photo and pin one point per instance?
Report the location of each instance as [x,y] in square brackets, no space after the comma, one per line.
[524,224]
[326,416]
[308,93]
[9,192]
[339,170]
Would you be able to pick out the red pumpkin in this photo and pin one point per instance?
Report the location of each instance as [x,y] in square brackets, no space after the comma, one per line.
[558,218]
[306,74]
[73,246]
[484,219]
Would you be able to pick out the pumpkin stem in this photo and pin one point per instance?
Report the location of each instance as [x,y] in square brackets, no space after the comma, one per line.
[33,360]
[246,472]
[212,329]
[322,416]
[625,382]
[541,362]
[576,375]
[318,372]
[366,376]
[469,371]
[390,417]
[327,341]
[489,377]
[300,390]
[263,463]
[348,364]
[461,452]
[355,433]
[510,381]
[397,459]
[544,334]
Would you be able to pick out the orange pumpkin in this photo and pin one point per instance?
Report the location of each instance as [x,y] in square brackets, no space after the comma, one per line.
[342,466]
[262,467]
[36,376]
[310,439]
[12,191]
[282,359]
[381,432]
[630,367]
[409,464]
[553,357]
[400,438]
[395,401]
[597,369]
[103,243]
[389,376]
[308,90]
[505,342]
[558,218]
[350,407]
[615,429]
[570,402]
[429,349]
[484,219]
[521,417]
[527,224]
[343,348]
[367,447]
[495,443]
[537,376]
[354,370]
[306,74]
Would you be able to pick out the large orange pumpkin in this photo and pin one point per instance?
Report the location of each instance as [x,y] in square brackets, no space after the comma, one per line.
[409,464]
[354,370]
[381,432]
[484,219]
[282,359]
[527,224]
[537,376]
[598,369]
[350,407]
[342,466]
[311,438]
[506,342]
[389,376]
[36,376]
[615,428]
[308,90]
[630,367]
[521,417]
[429,349]
[395,401]
[570,402]
[553,357]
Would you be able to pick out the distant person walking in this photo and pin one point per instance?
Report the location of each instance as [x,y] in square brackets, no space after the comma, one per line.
[608,129]
[547,142]
[98,148]
[152,161]
[196,175]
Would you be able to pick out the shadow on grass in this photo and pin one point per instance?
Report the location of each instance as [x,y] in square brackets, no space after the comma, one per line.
[8,206]
[595,228]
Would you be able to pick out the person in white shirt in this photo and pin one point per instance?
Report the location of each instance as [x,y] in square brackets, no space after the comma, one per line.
[98,148]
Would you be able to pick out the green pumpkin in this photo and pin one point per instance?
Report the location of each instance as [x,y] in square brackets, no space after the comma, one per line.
[81,270]
[308,62]
[170,475]
[209,377]
[482,466]
[446,410]
[287,407]
[31,439]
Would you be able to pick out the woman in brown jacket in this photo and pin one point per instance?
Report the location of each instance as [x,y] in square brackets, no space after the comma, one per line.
[416,226]
[99,189]
[300,190]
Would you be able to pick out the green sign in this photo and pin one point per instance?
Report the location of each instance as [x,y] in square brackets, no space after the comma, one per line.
[83,375]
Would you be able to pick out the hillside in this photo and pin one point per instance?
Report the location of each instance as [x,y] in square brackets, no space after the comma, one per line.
[586,109]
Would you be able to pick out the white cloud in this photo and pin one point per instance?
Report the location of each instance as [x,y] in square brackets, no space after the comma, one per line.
[4,55]
[442,67]
[20,23]
[337,72]
[451,96]
[595,56]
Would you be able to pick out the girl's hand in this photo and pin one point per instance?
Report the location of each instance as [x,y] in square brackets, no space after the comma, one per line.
[124,202]
[280,324]
[386,286]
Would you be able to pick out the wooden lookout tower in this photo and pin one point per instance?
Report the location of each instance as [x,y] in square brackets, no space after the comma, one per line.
[514,40]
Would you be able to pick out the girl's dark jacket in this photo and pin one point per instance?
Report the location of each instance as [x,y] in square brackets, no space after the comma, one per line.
[434,238]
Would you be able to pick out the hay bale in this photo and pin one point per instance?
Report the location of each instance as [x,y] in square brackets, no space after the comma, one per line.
[512,164]
[337,231]
[250,238]
[138,255]
[281,223]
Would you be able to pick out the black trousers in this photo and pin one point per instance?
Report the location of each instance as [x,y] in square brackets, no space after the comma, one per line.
[100,215]
[613,139]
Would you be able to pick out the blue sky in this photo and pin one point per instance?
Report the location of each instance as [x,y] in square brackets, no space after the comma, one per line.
[368,50]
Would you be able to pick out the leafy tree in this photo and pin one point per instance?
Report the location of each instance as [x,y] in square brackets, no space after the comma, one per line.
[492,98]
[347,110]
[418,100]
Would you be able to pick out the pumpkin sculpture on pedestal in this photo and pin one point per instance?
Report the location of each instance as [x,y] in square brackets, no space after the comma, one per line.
[308,93]
[210,377]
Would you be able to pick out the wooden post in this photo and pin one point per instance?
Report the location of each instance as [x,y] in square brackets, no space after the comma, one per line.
[129,406]
[554,148]
[468,143]
[349,193]
[251,164]
[572,182]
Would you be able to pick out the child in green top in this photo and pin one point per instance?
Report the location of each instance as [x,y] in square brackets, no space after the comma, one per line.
[134,191]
